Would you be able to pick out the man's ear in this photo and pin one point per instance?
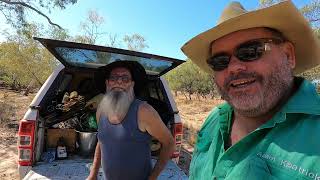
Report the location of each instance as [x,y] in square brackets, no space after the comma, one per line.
[289,51]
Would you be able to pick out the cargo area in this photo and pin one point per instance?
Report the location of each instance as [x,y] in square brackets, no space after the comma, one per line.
[67,116]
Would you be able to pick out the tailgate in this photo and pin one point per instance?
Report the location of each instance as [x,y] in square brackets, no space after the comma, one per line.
[76,169]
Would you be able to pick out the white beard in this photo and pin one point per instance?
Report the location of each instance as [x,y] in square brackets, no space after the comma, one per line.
[115,104]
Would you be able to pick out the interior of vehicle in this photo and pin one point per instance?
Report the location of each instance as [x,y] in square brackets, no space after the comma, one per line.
[62,109]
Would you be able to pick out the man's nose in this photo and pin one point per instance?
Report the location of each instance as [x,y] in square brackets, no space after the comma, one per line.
[119,80]
[235,65]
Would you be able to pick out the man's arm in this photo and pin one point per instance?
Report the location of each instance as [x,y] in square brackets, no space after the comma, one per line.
[96,163]
[97,157]
[150,121]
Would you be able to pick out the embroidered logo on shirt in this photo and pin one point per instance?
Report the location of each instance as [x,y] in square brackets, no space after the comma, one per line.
[290,166]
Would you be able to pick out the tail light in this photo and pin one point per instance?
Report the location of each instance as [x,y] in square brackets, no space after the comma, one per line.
[26,142]
[177,134]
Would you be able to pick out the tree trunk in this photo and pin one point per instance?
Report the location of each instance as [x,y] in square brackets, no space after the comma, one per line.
[29,87]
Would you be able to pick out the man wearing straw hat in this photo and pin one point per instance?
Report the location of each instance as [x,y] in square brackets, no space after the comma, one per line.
[269,127]
[125,127]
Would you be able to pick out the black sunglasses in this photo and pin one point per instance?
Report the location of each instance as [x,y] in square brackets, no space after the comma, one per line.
[248,51]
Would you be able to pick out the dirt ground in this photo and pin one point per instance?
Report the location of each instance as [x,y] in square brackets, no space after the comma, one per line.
[13,106]
[192,114]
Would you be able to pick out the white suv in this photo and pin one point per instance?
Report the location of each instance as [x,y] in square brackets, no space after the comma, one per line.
[80,64]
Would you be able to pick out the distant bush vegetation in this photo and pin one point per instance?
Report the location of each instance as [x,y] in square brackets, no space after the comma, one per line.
[190,80]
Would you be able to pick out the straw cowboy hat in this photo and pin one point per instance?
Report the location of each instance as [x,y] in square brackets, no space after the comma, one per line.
[284,17]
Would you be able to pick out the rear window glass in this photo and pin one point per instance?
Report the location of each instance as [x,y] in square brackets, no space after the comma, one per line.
[93,58]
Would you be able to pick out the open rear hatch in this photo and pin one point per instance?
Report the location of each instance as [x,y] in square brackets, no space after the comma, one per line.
[77,55]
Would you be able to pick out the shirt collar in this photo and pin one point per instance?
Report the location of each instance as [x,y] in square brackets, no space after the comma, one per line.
[305,100]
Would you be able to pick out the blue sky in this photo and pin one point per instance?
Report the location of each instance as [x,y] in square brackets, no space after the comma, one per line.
[165,24]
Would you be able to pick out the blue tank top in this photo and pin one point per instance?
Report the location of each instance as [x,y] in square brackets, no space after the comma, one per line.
[125,150]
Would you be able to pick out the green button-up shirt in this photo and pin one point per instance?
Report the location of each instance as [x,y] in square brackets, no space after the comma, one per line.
[286,147]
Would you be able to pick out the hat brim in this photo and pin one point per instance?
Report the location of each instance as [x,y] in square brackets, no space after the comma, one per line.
[284,17]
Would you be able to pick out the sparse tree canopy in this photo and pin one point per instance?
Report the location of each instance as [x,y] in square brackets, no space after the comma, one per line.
[135,42]
[15,10]
[91,28]
[190,79]
[23,61]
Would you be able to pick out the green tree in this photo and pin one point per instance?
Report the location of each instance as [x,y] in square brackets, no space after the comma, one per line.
[91,28]
[92,33]
[204,84]
[24,61]
[135,42]
[58,34]
[15,11]
[190,79]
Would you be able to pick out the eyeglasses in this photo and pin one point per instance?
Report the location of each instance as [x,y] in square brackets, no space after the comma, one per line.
[248,51]
[125,79]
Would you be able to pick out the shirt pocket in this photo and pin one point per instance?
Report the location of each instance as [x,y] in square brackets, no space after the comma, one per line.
[200,150]
[203,158]
[253,168]
[203,142]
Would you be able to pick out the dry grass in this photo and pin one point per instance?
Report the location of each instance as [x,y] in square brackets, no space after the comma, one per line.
[193,113]
[13,105]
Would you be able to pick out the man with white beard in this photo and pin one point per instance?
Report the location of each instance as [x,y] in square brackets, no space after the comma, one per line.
[125,127]
[269,126]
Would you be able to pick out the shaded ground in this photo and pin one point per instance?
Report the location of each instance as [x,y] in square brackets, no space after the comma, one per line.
[13,105]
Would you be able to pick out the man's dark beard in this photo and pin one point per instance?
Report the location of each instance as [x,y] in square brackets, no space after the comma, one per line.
[116,103]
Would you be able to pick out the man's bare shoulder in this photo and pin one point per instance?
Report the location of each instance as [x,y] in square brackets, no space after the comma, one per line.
[145,107]
[147,116]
